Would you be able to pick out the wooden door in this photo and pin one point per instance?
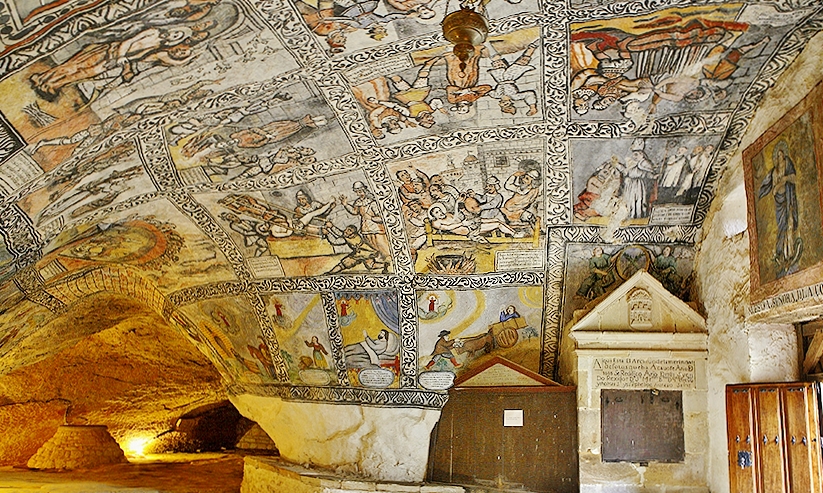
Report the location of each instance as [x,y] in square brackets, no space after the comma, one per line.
[770,458]
[472,445]
[740,429]
[802,449]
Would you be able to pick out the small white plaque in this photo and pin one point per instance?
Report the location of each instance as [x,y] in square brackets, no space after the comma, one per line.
[436,380]
[266,266]
[518,260]
[315,377]
[671,214]
[512,417]
[376,378]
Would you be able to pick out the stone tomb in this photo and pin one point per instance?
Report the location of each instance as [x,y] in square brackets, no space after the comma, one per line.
[647,350]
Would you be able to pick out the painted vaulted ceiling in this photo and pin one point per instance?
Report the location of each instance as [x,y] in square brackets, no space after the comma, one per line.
[316,194]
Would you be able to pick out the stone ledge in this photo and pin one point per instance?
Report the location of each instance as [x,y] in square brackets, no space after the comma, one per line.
[271,475]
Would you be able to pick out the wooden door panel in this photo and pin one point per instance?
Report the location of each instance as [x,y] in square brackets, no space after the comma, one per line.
[769,435]
[739,406]
[798,446]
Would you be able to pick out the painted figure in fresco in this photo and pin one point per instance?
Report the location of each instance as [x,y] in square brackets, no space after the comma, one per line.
[153,105]
[409,188]
[420,9]
[373,96]
[412,97]
[601,82]
[462,89]
[219,162]
[685,61]
[664,269]
[698,167]
[483,213]
[308,210]
[509,313]
[597,199]
[274,222]
[432,303]
[261,354]
[443,350]
[506,74]
[444,220]
[381,351]
[638,175]
[362,15]
[122,60]
[255,233]
[91,135]
[415,218]
[673,168]
[321,21]
[722,62]
[490,202]
[278,308]
[275,131]
[272,162]
[601,275]
[318,353]
[361,251]
[103,191]
[780,183]
[525,187]
[223,160]
[599,62]
[174,13]
[371,228]
[344,308]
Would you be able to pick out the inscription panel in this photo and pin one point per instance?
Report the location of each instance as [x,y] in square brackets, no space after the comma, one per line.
[644,373]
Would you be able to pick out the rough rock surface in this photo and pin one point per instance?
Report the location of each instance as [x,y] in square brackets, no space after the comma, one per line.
[131,372]
[382,444]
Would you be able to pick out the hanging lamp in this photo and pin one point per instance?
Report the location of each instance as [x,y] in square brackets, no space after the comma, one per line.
[466,29]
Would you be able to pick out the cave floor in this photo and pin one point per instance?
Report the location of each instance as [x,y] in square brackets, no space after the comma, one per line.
[166,473]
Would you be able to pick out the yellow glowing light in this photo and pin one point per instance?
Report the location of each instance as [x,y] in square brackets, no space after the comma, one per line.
[136,446]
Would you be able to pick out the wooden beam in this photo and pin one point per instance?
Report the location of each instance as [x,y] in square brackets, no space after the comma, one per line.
[814,353]
[809,328]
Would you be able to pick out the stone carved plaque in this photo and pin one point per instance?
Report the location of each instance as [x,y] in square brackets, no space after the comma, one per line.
[644,373]
[640,309]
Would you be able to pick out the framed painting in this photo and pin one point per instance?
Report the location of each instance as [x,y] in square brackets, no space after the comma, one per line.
[784,197]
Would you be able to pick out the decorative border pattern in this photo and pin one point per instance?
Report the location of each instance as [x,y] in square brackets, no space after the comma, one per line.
[352,395]
[335,338]
[11,142]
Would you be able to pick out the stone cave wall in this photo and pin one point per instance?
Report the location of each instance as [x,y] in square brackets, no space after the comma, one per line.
[741,350]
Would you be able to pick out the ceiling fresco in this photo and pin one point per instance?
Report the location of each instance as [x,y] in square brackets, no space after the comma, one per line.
[330,208]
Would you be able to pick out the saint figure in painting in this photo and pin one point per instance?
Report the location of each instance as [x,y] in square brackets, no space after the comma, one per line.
[318,352]
[780,182]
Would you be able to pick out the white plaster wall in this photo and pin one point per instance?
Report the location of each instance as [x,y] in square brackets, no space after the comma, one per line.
[773,352]
[739,351]
[387,444]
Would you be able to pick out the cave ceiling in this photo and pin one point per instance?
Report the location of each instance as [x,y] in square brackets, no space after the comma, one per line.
[318,195]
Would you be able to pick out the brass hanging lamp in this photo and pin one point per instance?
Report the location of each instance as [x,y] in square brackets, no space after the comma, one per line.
[466,29]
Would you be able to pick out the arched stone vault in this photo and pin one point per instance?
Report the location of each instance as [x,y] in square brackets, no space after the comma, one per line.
[313,194]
